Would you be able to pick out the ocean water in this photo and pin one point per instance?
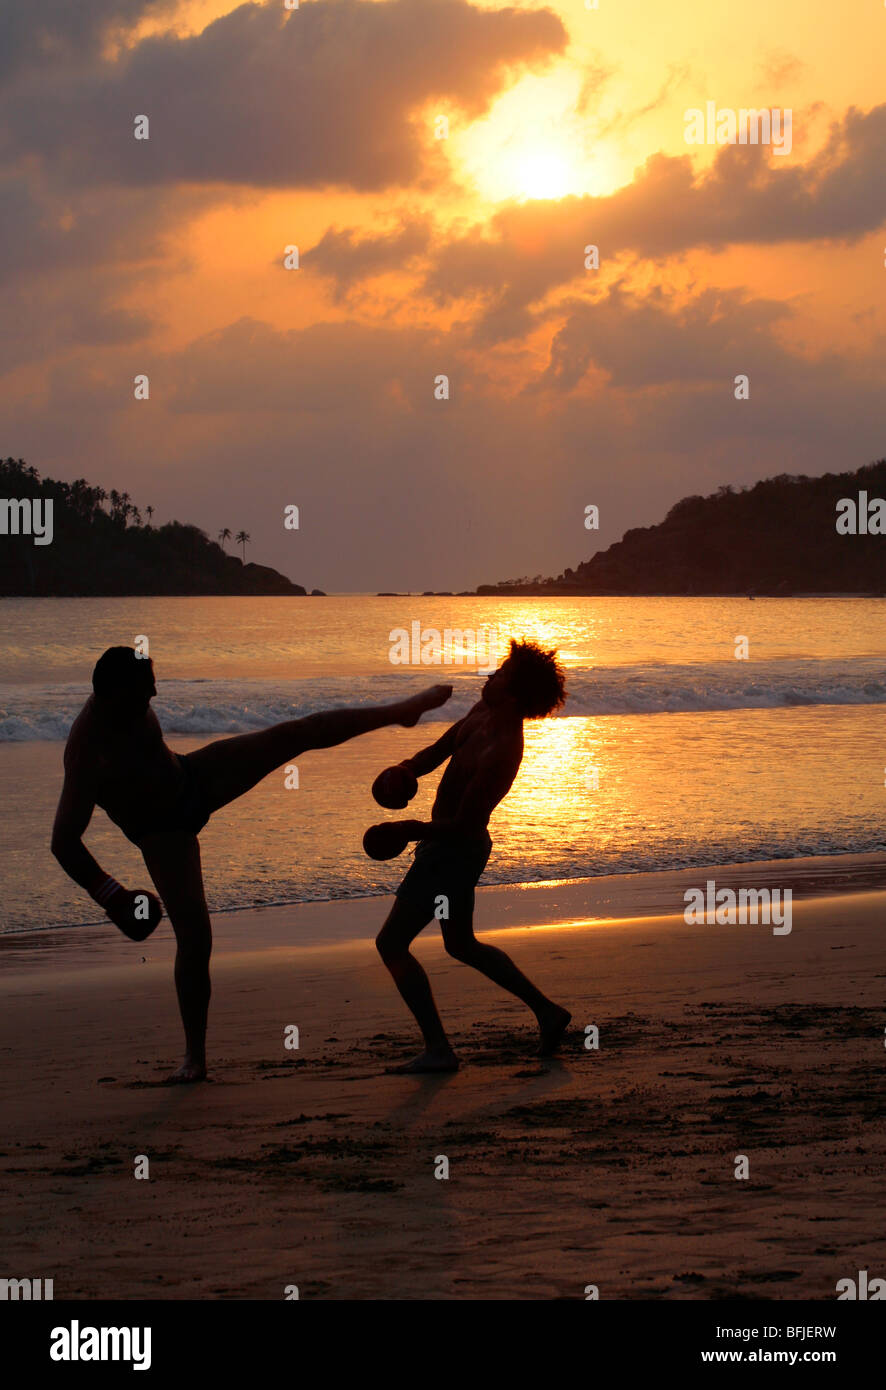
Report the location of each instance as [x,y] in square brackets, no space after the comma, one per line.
[671,751]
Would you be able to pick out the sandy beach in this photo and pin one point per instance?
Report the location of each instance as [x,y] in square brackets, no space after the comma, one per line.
[613,1167]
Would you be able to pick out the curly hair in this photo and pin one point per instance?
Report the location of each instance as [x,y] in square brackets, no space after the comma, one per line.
[536,678]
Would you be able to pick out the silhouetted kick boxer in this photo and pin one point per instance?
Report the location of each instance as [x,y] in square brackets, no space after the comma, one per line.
[485,750]
[116,758]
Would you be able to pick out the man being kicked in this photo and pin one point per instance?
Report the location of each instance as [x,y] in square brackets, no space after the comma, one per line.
[116,758]
[485,750]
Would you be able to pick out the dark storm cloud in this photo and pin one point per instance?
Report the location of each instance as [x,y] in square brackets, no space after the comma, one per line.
[43,318]
[358,372]
[46,230]
[68,262]
[321,95]
[656,340]
[348,258]
[40,33]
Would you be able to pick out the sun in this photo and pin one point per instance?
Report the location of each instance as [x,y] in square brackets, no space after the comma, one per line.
[536,144]
[539,171]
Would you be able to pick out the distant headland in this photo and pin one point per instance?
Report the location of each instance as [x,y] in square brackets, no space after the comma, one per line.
[74,540]
[785,535]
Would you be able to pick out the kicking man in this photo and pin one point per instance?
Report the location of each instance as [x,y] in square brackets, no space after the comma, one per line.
[485,750]
[116,758]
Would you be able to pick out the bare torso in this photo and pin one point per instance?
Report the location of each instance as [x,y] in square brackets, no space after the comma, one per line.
[131,772]
[487,756]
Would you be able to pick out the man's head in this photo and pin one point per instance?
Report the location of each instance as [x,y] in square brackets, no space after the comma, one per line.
[531,678]
[124,682]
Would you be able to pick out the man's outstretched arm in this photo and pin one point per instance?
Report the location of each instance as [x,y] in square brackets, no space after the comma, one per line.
[436,753]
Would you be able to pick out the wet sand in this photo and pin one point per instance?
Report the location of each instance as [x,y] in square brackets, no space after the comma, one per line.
[613,1167]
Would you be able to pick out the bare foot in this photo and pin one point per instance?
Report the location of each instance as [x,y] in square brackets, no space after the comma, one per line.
[431,698]
[428,1061]
[552,1025]
[188,1071]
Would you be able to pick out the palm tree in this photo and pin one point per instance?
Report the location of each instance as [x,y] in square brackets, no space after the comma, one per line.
[225,535]
[243,538]
[150,512]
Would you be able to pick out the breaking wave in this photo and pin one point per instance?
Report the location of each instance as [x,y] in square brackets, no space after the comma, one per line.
[229,707]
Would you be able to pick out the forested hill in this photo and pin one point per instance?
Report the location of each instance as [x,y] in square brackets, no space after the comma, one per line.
[101,545]
[784,535]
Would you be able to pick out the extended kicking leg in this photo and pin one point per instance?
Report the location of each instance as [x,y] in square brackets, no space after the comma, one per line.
[232,766]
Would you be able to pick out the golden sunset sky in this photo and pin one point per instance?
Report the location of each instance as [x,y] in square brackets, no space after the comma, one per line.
[422,256]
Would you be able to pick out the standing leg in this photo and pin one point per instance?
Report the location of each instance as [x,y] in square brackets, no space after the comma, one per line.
[461,943]
[393,942]
[173,860]
[231,766]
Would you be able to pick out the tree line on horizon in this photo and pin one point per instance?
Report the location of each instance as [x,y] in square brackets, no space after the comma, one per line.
[776,537]
[102,547]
